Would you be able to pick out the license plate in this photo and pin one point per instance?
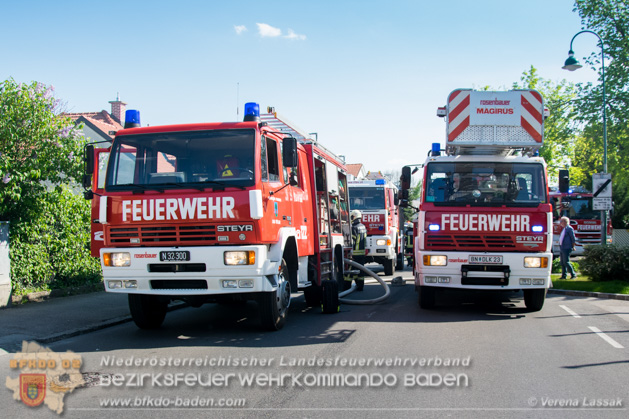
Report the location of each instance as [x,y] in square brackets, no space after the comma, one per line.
[174,256]
[490,260]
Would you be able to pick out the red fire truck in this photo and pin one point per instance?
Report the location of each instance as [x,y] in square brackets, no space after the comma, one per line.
[485,221]
[377,199]
[219,212]
[576,204]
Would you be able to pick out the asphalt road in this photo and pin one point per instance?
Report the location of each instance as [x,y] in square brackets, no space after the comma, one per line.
[569,360]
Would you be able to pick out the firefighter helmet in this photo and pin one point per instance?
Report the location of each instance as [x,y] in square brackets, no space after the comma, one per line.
[355,214]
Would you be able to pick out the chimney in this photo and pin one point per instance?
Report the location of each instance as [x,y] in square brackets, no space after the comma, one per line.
[118,109]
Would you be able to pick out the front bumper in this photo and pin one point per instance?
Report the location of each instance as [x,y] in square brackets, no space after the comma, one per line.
[209,276]
[375,250]
[459,272]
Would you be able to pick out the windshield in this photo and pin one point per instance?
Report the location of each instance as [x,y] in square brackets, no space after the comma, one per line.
[579,208]
[217,158]
[485,184]
[366,198]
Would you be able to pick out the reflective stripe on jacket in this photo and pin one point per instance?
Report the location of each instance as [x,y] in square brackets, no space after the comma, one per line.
[359,238]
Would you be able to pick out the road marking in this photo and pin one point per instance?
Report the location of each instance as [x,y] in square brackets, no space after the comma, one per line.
[572,313]
[606,338]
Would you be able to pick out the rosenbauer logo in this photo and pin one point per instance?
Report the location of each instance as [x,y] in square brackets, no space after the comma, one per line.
[495,102]
[145,255]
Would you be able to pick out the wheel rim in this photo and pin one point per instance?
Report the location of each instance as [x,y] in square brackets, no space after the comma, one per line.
[283,294]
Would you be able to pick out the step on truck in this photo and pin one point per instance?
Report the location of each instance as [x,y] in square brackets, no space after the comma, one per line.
[219,212]
[377,199]
[485,219]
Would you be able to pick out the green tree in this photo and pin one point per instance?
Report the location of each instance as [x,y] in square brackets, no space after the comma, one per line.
[610,19]
[559,128]
[38,147]
[40,163]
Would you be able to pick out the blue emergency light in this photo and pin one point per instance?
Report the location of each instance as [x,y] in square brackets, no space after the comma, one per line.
[436,149]
[380,182]
[434,227]
[132,118]
[252,111]
[537,229]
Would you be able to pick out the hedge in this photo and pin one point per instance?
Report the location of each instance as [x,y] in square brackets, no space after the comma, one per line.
[606,263]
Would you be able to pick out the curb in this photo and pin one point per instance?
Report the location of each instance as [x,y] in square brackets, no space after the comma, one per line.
[56,293]
[99,326]
[602,295]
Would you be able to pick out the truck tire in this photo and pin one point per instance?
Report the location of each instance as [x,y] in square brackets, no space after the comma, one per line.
[339,274]
[312,294]
[274,305]
[389,266]
[147,311]
[426,297]
[330,296]
[534,299]
[400,262]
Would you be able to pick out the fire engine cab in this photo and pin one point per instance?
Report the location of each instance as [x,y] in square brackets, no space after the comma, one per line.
[576,204]
[485,221]
[377,199]
[219,212]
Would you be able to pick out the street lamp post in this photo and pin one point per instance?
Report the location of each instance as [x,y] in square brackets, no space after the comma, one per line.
[573,64]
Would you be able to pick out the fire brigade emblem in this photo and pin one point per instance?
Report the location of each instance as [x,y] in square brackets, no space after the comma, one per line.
[275,207]
[32,389]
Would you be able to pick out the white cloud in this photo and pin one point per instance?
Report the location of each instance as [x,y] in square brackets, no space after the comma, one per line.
[293,35]
[269,31]
[240,29]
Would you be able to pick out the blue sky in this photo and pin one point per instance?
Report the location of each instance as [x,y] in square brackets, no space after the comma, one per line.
[367,76]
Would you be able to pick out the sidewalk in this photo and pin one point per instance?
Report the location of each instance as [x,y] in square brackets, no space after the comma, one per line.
[58,318]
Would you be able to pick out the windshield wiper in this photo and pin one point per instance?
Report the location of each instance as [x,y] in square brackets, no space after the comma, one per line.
[143,187]
[221,184]
[199,185]
[182,185]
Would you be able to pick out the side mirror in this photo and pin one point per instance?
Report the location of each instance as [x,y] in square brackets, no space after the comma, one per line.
[289,152]
[292,179]
[87,181]
[396,200]
[403,198]
[405,179]
[88,159]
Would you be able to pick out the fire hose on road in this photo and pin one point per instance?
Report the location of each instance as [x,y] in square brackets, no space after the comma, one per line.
[387,291]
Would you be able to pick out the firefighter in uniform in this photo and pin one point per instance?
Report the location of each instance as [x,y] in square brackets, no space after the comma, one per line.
[359,239]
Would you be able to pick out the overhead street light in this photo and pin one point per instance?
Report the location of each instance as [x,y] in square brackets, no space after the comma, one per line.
[573,64]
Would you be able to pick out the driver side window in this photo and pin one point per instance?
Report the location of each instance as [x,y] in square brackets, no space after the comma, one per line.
[272,161]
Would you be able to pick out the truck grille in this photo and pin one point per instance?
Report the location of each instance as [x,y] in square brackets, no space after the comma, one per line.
[503,280]
[474,243]
[164,235]
[177,267]
[186,284]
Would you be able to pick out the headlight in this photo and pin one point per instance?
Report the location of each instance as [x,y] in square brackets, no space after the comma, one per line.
[535,262]
[381,242]
[240,257]
[435,260]
[117,259]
